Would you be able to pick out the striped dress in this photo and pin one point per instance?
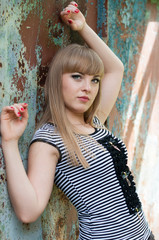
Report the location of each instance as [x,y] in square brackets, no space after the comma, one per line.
[103,194]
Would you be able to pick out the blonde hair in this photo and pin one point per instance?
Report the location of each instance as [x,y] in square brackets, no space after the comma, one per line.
[73,58]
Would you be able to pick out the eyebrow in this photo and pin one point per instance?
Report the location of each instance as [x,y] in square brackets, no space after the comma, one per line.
[97,76]
[88,74]
[80,73]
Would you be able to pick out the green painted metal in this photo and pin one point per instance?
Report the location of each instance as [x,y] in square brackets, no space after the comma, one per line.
[30,34]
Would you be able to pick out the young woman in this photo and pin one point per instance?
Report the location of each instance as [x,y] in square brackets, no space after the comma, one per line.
[72,147]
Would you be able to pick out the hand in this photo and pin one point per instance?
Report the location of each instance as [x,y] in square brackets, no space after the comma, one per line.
[72,16]
[13,121]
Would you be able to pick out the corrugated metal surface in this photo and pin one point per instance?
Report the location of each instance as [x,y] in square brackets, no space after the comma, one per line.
[30,34]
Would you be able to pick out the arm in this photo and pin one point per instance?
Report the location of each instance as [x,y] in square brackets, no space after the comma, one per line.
[113,67]
[30,193]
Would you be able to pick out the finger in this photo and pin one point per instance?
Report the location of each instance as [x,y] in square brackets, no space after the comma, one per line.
[65,12]
[9,110]
[65,15]
[25,105]
[20,110]
[17,108]
[70,21]
[25,112]
[74,3]
[71,8]
[6,109]
[22,107]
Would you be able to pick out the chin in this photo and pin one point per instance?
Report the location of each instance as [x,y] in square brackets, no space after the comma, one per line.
[80,111]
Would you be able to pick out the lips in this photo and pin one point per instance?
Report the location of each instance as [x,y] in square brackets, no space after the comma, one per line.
[83,98]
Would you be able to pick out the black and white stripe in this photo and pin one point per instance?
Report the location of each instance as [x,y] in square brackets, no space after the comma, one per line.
[95,191]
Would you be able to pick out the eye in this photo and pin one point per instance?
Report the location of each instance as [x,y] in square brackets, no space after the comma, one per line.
[95,80]
[76,76]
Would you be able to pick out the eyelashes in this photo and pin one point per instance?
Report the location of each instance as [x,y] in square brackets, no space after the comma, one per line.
[96,80]
[77,76]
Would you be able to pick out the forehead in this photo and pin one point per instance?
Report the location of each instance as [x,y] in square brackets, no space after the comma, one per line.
[90,65]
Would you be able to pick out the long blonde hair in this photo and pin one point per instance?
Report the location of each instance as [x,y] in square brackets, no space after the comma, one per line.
[73,58]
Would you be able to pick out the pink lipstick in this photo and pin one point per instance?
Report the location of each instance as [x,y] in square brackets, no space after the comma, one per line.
[83,99]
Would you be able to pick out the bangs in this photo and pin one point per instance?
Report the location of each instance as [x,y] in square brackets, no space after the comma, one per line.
[82,59]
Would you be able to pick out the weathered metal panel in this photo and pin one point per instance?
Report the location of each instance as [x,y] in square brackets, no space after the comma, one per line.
[30,34]
[18,83]
[133,32]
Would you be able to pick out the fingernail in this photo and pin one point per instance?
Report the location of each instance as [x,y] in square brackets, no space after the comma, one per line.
[76,5]
[76,11]
[22,109]
[25,103]
[68,11]
[12,107]
[69,21]
[19,114]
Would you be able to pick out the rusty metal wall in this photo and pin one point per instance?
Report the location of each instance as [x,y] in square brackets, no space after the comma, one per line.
[30,34]
[134,34]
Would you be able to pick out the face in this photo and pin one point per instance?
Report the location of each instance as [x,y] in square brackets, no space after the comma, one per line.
[79,91]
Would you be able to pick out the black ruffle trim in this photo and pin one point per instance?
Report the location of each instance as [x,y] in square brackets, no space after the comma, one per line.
[124,175]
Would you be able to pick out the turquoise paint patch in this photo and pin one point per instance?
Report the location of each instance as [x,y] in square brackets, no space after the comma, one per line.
[124,35]
[156,2]
[59,39]
[101,17]
[16,71]
[55,33]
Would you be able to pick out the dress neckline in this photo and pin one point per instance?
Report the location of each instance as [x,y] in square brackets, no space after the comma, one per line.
[82,134]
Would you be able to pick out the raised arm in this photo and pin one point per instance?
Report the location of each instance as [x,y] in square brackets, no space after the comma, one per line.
[30,193]
[113,67]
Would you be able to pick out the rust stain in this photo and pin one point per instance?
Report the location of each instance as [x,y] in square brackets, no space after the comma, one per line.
[42,74]
[3,178]
[60,218]
[37,31]
[91,17]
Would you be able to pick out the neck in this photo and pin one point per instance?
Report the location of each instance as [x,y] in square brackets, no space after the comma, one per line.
[75,119]
[78,124]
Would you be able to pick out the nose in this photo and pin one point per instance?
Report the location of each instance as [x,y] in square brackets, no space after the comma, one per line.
[86,85]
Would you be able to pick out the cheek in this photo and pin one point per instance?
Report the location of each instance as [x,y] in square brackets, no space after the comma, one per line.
[68,92]
[65,87]
[65,94]
[96,90]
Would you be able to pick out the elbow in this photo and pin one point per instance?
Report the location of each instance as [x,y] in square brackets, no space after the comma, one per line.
[28,214]
[121,67]
[120,70]
[27,221]
[27,218]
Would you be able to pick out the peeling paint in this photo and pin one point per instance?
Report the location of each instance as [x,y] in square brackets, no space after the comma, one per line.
[102,18]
